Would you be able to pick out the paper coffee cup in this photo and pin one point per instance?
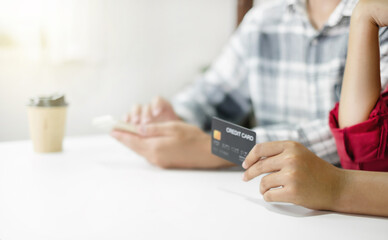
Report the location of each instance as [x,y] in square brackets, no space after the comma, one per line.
[47,120]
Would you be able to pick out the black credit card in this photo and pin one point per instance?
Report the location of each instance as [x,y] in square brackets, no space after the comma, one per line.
[230,141]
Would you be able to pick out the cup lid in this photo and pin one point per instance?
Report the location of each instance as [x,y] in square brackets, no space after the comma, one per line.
[55,100]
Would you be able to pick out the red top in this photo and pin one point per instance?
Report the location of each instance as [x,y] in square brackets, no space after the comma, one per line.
[364,146]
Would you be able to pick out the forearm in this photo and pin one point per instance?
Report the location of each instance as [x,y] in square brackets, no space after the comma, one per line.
[361,85]
[363,192]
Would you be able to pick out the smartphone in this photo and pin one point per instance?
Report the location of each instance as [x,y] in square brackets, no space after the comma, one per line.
[108,123]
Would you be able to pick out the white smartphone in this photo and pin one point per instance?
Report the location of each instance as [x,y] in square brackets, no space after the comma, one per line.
[108,123]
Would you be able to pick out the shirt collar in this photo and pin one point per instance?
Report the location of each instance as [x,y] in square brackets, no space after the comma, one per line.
[292,2]
[344,9]
[349,6]
[295,8]
[295,5]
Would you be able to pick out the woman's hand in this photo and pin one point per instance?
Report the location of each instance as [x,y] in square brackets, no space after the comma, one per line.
[296,175]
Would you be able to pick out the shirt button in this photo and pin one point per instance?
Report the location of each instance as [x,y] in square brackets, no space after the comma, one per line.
[314,41]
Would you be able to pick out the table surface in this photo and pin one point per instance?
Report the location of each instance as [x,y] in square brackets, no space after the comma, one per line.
[98,189]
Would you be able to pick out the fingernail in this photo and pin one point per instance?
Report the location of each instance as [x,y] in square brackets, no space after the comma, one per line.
[145,120]
[245,178]
[135,119]
[244,165]
[156,112]
[142,129]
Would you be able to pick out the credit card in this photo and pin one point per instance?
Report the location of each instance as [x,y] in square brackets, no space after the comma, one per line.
[230,141]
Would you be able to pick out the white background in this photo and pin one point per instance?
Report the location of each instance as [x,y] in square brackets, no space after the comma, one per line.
[104,55]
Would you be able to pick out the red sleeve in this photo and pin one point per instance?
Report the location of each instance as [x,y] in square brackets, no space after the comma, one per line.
[363,146]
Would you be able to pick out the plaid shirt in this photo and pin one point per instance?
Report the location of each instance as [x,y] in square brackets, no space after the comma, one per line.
[284,71]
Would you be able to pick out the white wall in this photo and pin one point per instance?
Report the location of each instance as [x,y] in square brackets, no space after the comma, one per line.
[133,51]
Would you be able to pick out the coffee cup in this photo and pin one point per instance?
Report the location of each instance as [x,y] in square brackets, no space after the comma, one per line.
[47,120]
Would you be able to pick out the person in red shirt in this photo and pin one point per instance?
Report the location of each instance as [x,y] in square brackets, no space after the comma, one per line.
[359,122]
[296,175]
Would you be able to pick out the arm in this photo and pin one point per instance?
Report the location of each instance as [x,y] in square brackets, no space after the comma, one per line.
[361,86]
[309,181]
[363,192]
[362,110]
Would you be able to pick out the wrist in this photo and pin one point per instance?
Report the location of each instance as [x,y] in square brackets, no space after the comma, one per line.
[335,185]
[343,196]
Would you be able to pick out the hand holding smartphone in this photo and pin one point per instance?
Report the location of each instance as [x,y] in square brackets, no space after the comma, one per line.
[108,123]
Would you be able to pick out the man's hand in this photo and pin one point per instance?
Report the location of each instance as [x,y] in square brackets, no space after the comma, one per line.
[159,110]
[303,178]
[172,144]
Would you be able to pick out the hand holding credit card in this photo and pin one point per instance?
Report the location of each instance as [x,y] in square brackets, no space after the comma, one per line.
[230,141]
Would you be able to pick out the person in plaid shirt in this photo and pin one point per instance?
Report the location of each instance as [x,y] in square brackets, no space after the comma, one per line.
[284,64]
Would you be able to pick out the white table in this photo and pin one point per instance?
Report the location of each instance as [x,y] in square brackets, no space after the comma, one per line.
[98,189]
